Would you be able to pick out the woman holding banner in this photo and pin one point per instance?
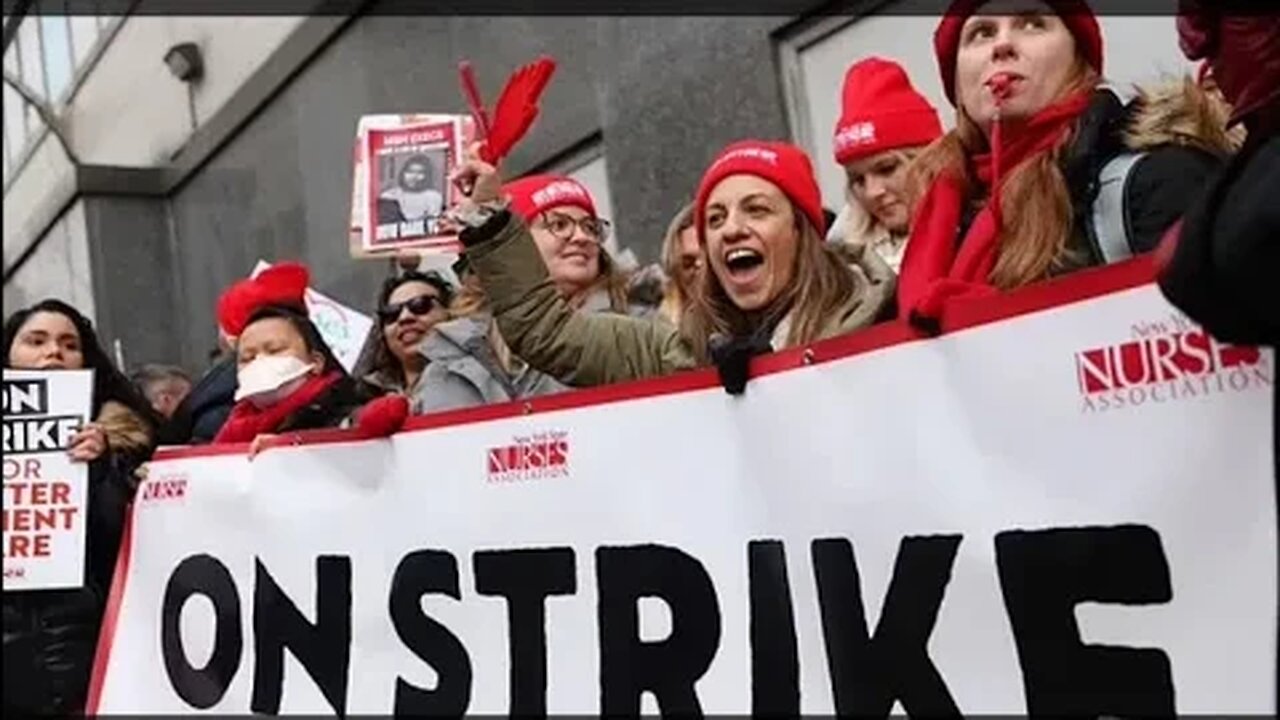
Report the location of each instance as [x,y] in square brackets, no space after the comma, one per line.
[287,377]
[50,635]
[469,364]
[409,306]
[771,282]
[1047,171]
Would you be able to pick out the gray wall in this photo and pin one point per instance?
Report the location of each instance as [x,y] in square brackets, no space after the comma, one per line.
[664,94]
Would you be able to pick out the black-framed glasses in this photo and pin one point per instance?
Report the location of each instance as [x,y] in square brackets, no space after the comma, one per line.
[421,305]
[562,226]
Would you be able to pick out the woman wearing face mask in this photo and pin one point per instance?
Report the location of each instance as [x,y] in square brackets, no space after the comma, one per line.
[409,306]
[1046,171]
[287,377]
[50,635]
[884,125]
[683,262]
[469,363]
[771,282]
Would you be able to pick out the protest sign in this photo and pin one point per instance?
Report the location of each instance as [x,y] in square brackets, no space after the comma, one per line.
[45,493]
[1066,507]
[342,328]
[401,182]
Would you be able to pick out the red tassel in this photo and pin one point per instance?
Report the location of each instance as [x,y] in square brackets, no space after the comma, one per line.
[515,111]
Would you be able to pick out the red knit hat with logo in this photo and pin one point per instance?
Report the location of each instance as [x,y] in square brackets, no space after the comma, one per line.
[1075,14]
[881,111]
[281,284]
[782,164]
[531,196]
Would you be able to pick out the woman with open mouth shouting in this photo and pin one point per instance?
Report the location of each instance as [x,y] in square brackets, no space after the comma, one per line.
[771,282]
[1047,171]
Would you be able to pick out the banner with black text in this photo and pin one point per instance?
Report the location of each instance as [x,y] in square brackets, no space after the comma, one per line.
[1067,507]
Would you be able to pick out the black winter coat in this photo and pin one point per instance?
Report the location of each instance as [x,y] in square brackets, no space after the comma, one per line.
[201,414]
[50,635]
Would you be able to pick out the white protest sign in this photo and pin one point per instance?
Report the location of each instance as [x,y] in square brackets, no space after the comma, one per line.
[1071,511]
[45,493]
[343,328]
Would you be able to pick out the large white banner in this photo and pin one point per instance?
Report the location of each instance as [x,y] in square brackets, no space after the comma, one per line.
[45,493]
[1067,511]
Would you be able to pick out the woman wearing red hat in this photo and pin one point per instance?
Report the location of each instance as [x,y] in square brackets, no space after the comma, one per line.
[883,126]
[1046,172]
[287,378]
[468,363]
[771,281]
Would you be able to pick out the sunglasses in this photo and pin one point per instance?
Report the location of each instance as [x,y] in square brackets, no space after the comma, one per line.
[421,305]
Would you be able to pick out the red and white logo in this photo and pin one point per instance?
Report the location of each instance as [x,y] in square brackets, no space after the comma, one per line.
[1167,361]
[163,488]
[537,457]
[859,133]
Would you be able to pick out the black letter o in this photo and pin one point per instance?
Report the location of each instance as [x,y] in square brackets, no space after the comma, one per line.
[201,688]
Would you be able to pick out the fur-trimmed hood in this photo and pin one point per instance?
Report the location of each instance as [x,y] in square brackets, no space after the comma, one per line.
[1181,112]
[124,429]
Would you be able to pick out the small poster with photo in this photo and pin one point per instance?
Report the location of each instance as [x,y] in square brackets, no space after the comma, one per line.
[402,190]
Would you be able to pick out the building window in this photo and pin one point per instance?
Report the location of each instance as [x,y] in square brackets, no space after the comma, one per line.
[815,57]
[15,126]
[55,34]
[84,35]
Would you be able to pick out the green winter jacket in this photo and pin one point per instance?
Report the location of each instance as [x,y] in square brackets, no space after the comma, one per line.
[584,349]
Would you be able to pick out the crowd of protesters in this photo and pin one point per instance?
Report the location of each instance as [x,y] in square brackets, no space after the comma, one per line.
[1047,171]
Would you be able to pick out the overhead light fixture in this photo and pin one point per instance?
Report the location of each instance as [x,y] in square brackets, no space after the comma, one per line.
[184,62]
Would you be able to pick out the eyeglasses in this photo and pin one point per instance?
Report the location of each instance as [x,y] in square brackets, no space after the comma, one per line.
[421,305]
[562,226]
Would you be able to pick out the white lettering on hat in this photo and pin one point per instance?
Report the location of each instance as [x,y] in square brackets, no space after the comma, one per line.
[859,133]
[560,191]
[749,153]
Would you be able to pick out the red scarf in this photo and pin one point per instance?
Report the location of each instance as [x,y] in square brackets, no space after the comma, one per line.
[934,268]
[248,421]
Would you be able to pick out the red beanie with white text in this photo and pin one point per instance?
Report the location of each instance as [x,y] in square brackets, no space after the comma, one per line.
[1075,14]
[782,164]
[531,196]
[881,111]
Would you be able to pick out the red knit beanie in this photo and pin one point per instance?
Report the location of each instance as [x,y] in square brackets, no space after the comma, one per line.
[281,284]
[881,111]
[531,196]
[1075,14]
[782,164]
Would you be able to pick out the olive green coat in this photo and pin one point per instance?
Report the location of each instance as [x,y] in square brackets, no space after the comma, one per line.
[586,349]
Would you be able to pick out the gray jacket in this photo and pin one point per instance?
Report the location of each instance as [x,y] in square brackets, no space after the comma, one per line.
[463,371]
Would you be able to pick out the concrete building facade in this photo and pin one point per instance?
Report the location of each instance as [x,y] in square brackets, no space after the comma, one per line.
[151,194]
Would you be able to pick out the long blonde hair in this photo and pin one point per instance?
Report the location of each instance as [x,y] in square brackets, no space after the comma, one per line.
[820,286]
[1035,202]
[862,227]
[471,300]
[676,296]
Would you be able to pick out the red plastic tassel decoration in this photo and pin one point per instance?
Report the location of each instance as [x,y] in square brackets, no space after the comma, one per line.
[515,110]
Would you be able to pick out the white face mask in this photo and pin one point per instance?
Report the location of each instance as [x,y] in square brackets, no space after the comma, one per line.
[268,379]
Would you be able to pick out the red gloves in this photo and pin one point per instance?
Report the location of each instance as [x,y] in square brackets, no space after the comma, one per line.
[381,417]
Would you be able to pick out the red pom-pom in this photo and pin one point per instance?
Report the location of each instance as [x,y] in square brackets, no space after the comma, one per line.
[282,284]
[382,416]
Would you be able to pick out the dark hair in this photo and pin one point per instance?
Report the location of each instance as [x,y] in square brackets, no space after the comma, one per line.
[416,159]
[108,382]
[375,356]
[151,374]
[311,337]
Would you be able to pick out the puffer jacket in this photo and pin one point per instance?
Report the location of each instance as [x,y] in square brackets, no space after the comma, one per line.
[50,635]
[463,370]
[1179,127]
[586,349]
